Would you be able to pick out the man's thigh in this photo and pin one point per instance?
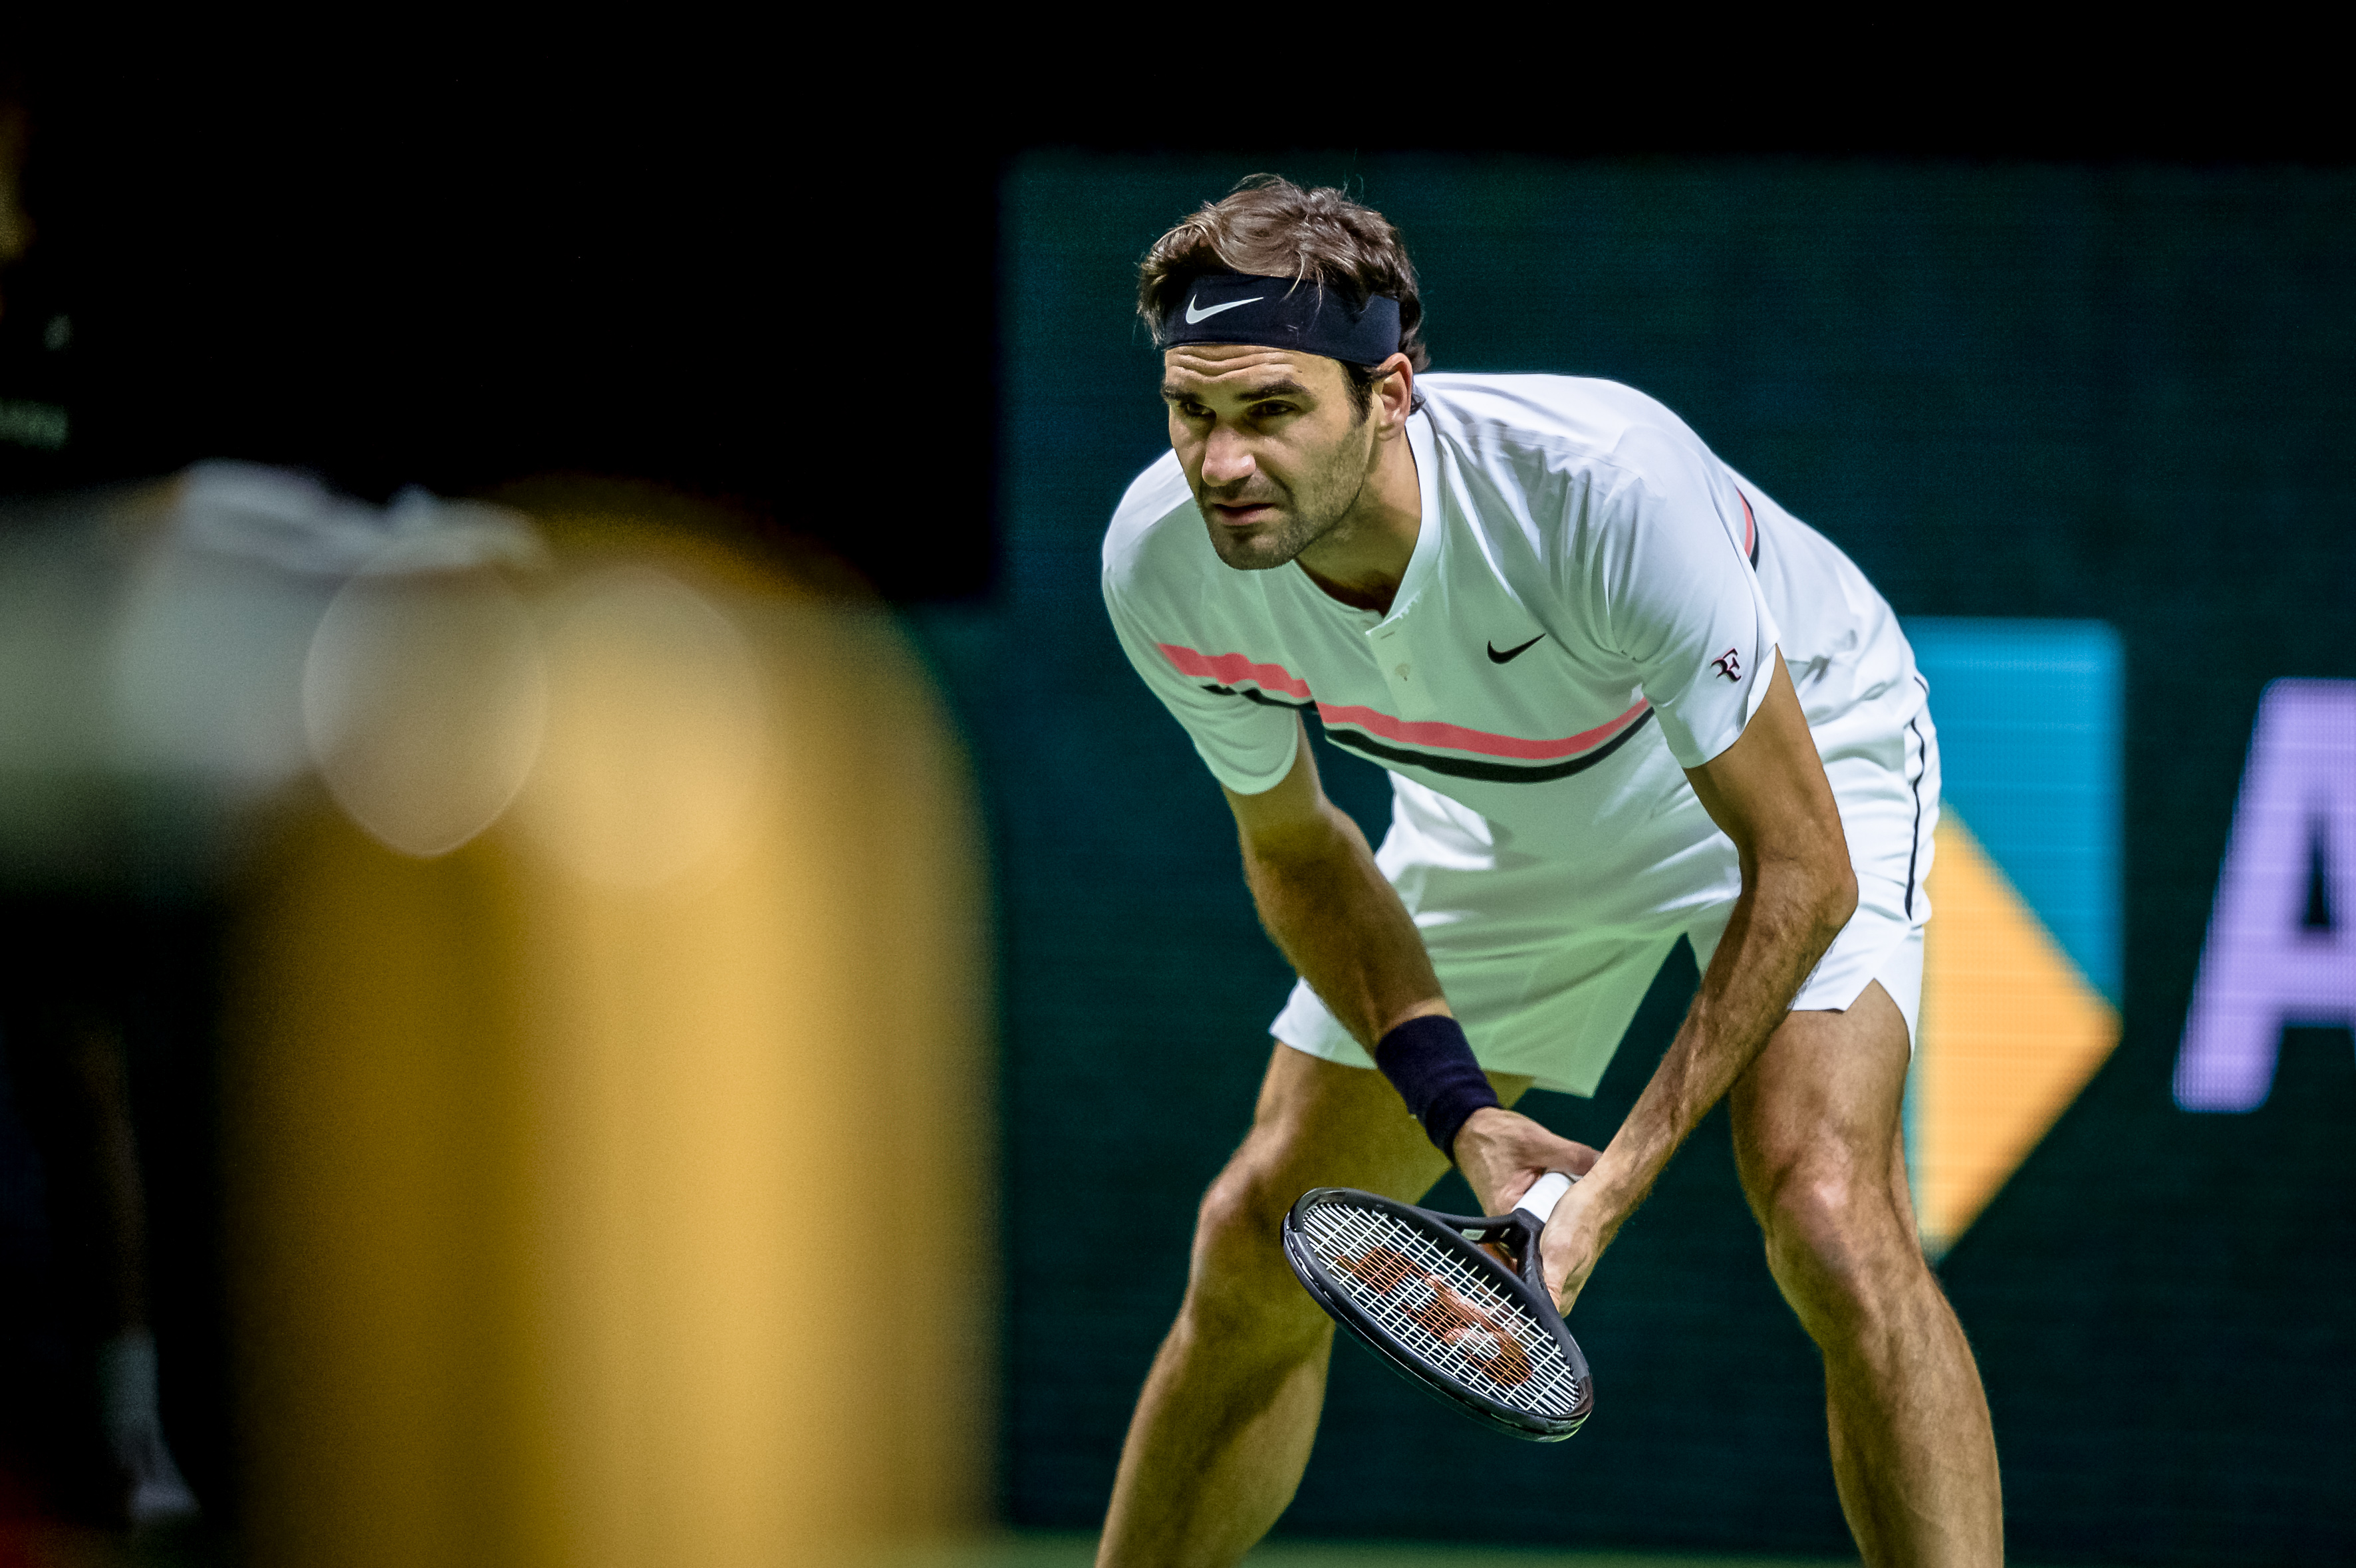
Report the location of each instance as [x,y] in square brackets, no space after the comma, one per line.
[1824,1102]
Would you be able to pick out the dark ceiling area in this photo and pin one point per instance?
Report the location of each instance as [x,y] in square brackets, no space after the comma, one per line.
[460,279]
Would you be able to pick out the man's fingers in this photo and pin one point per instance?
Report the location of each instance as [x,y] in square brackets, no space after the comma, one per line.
[1564,1267]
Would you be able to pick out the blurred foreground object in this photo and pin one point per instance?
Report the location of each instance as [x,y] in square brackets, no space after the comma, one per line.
[608,1119]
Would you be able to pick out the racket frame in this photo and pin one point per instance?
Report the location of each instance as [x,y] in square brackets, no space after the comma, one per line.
[1460,1236]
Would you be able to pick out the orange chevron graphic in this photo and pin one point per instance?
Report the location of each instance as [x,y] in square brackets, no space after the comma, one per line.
[2010,1032]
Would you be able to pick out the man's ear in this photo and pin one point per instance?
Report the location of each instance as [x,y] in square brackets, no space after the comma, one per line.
[1396,391]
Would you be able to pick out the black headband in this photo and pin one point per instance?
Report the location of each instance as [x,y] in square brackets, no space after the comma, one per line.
[1283,313]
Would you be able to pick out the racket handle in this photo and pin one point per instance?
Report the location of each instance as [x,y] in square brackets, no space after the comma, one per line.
[1544,1194]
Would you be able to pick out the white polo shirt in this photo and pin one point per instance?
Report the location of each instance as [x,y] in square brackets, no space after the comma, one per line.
[1593,605]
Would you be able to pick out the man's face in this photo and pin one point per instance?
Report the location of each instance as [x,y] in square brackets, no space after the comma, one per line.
[1272,444]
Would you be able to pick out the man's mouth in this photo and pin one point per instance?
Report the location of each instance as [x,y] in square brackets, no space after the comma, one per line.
[1238,514]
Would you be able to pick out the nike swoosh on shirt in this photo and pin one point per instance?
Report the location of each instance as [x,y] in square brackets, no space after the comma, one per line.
[1513,653]
[1193,314]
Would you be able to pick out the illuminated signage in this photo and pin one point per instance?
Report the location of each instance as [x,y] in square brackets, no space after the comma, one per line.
[2279,951]
[2020,981]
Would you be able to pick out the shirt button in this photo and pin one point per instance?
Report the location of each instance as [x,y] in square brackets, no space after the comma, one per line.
[1402,671]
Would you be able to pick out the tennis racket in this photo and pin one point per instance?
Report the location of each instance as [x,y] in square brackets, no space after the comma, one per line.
[1419,1290]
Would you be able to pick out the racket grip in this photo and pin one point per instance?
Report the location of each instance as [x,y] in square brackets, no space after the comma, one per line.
[1544,1194]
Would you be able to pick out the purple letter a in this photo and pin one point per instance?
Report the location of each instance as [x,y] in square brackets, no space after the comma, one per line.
[2282,937]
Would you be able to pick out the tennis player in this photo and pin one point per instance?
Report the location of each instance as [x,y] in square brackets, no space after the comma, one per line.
[1623,698]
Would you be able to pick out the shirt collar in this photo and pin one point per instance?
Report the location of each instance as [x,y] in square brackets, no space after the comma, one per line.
[1423,566]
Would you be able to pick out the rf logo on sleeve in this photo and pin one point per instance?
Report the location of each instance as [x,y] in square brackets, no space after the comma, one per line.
[1729,664]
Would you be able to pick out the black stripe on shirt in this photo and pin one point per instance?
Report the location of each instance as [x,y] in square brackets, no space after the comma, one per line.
[1914,854]
[1490,772]
[1251,694]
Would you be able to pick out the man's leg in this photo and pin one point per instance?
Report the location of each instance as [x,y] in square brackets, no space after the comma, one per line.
[1224,1427]
[1817,1139]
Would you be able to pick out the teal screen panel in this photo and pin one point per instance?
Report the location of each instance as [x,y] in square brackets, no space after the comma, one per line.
[2030,716]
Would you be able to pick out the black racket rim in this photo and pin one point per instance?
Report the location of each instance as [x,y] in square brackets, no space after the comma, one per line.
[1446,1231]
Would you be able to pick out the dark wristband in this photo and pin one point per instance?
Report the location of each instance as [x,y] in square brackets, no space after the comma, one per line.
[1429,1062]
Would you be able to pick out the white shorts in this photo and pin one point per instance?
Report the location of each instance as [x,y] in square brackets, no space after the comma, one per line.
[1558,1016]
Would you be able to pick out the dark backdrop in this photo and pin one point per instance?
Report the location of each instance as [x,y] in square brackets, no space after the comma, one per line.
[401,263]
[2120,392]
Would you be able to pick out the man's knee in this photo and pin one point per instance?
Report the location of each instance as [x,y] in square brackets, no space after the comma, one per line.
[1239,1282]
[1837,1247]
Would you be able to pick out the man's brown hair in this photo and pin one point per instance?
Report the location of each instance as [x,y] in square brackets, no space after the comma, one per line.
[1269,226]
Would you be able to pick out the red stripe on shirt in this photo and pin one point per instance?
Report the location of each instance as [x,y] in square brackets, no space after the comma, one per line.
[1455,737]
[1233,668]
[1230,669]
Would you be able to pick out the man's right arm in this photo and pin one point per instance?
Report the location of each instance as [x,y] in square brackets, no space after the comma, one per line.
[1327,906]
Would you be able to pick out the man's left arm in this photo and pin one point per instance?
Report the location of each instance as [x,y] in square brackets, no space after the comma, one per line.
[1769,794]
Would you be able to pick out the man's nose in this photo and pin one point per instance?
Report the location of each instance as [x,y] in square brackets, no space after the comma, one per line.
[1227,457]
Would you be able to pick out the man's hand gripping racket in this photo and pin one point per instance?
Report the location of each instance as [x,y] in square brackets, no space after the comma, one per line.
[1421,1291]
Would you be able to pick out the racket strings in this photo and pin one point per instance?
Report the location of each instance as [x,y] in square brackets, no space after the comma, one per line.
[1435,1303]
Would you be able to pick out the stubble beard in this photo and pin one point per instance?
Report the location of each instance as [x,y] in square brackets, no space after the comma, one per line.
[1306,515]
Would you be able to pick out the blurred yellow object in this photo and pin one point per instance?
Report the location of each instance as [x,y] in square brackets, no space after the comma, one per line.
[615,1188]
[2010,1033]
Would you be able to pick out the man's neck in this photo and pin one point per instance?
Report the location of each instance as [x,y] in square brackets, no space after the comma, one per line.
[1363,560]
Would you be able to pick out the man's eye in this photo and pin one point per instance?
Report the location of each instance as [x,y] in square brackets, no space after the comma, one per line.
[1270,409]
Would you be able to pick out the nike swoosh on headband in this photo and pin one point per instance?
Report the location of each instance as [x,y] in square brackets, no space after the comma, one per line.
[1193,314]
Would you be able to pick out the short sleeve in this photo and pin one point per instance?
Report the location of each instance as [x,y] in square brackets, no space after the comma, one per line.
[1679,596]
[1241,718]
